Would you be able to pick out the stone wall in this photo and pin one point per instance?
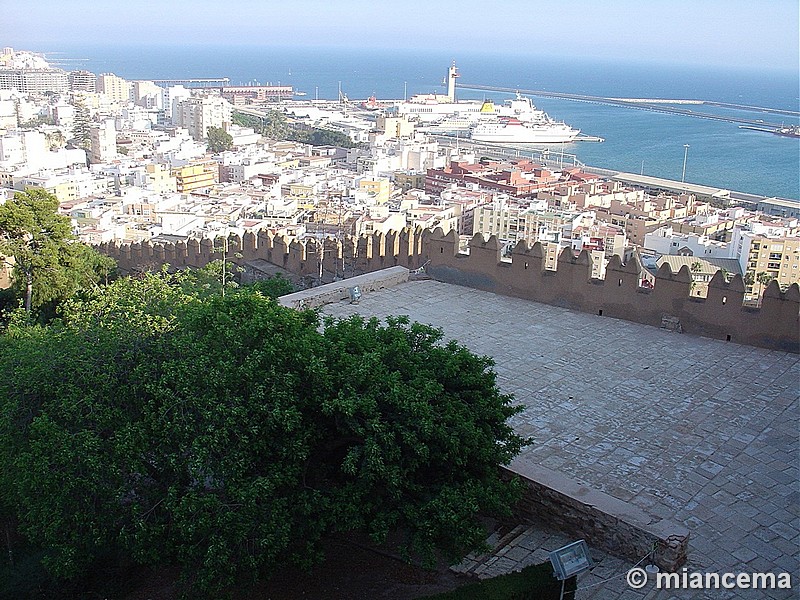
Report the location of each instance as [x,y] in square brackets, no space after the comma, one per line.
[340,290]
[721,315]
[606,523]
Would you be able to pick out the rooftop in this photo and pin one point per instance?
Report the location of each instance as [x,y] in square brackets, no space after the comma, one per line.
[699,431]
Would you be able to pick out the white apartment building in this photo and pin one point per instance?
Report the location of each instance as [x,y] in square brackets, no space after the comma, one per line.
[179,149]
[63,116]
[197,114]
[136,118]
[8,113]
[170,97]
[664,240]
[28,151]
[18,147]
[243,136]
[147,94]
[34,81]
[103,141]
[514,222]
[68,185]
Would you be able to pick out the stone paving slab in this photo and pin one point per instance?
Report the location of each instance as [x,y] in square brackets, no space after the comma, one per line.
[699,431]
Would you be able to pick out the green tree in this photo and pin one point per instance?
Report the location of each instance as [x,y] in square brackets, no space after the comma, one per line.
[273,124]
[273,287]
[219,140]
[763,278]
[37,122]
[49,263]
[276,126]
[228,435]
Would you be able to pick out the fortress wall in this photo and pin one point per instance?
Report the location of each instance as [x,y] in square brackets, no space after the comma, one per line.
[721,315]
[775,325]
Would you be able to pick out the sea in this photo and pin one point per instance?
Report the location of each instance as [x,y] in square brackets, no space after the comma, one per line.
[720,154]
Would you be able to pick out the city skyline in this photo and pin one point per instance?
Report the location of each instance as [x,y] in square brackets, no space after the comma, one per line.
[730,33]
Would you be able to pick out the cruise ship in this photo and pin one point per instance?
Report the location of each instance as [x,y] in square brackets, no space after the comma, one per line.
[520,122]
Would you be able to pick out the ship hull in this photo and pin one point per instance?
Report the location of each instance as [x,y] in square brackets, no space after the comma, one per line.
[524,135]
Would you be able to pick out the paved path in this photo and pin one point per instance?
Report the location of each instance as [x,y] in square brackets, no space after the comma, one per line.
[699,431]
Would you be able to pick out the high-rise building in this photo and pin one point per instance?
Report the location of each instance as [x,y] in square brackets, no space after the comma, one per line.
[34,81]
[103,137]
[197,114]
[170,98]
[82,81]
[114,87]
[765,253]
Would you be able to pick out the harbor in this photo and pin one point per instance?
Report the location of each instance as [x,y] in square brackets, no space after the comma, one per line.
[653,105]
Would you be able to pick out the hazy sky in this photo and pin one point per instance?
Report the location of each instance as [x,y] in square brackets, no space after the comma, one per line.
[738,33]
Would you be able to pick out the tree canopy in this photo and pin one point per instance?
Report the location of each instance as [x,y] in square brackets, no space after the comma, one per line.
[219,140]
[275,125]
[49,263]
[228,435]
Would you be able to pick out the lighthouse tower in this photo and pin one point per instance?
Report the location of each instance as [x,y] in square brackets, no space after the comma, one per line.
[452,74]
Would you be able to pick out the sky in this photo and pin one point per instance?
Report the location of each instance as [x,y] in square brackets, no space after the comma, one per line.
[732,33]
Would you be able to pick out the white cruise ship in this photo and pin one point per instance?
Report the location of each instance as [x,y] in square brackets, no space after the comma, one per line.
[520,122]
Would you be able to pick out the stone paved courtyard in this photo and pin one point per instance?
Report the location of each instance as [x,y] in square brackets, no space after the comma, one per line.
[699,431]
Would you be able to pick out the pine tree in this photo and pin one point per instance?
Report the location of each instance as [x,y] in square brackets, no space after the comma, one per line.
[80,126]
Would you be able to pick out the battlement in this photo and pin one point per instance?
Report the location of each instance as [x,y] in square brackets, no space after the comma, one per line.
[669,303]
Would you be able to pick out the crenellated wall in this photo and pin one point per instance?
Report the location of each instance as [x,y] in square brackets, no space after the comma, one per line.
[721,315]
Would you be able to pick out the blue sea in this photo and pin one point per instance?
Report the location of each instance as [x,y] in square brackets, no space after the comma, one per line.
[720,154]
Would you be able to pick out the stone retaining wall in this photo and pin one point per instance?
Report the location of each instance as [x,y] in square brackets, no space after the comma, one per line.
[340,290]
[606,523]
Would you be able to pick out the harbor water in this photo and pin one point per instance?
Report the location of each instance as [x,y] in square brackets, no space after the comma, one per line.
[720,154]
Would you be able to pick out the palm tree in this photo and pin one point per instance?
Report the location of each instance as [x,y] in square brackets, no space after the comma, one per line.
[695,267]
[763,278]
